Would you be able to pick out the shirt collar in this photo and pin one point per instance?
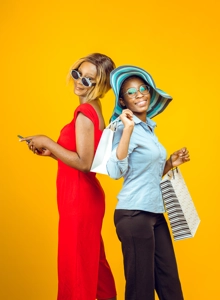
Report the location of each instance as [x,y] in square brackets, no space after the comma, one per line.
[150,122]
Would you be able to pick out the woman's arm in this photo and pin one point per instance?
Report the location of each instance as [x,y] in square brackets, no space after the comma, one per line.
[82,158]
[176,159]
[168,165]
[117,164]
[53,156]
[127,119]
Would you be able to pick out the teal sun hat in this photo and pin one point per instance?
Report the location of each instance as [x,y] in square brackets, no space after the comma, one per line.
[159,99]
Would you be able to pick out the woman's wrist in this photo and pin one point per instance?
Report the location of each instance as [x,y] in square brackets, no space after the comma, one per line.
[127,131]
[171,162]
[169,165]
[128,128]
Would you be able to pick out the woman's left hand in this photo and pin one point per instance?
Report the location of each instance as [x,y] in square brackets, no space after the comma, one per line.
[179,157]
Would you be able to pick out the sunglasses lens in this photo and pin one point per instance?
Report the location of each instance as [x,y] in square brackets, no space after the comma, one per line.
[131,91]
[74,74]
[144,89]
[86,81]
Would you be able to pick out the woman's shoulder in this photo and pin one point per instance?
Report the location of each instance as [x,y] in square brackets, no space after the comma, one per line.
[89,111]
[85,108]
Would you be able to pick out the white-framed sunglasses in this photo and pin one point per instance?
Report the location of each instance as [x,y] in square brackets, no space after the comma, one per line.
[84,80]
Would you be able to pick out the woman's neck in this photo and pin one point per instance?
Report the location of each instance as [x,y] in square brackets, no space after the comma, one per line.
[95,102]
[141,116]
[82,100]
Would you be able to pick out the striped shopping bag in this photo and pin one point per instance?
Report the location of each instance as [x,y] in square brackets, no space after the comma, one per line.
[182,214]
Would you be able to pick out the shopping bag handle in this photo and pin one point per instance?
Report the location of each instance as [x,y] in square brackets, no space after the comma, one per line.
[173,168]
[113,124]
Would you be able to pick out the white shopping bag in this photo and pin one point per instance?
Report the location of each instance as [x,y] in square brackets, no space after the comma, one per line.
[104,149]
[182,214]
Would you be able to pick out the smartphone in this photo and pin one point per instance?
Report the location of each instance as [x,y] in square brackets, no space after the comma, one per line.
[21,137]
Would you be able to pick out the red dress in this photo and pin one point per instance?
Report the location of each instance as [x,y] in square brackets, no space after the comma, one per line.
[83,271]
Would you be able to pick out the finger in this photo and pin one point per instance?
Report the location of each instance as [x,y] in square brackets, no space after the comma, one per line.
[130,117]
[182,152]
[126,115]
[34,149]
[186,154]
[186,158]
[37,152]
[185,150]
[127,111]
[30,143]
[27,140]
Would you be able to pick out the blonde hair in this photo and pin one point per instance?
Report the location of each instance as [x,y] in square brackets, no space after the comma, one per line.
[104,66]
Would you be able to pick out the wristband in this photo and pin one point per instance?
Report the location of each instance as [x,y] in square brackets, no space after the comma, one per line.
[172,165]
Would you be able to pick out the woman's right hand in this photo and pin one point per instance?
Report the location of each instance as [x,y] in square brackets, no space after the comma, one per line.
[127,118]
[33,144]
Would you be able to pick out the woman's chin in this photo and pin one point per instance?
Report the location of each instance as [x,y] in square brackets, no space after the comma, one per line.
[79,92]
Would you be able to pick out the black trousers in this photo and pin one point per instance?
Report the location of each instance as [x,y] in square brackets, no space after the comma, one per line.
[149,259]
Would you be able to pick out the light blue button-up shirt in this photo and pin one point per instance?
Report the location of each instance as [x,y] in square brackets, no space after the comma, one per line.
[142,169]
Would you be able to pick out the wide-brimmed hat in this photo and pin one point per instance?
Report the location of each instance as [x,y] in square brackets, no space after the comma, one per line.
[159,99]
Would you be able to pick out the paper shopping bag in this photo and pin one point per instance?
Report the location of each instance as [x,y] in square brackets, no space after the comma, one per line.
[104,149]
[182,214]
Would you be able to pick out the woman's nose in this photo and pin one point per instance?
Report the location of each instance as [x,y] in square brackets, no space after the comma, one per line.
[139,94]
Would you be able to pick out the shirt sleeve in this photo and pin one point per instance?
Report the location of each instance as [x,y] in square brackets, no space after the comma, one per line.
[116,168]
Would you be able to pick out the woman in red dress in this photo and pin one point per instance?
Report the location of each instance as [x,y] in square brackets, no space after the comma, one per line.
[83,271]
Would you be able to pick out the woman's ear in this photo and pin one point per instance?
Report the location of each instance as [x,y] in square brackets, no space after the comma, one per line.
[122,102]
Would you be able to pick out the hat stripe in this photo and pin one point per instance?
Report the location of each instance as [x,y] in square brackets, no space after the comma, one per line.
[158,108]
[117,78]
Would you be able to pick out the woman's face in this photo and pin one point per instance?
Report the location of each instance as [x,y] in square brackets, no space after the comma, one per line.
[87,70]
[138,103]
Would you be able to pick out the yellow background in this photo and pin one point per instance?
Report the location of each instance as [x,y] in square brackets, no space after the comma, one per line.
[177,42]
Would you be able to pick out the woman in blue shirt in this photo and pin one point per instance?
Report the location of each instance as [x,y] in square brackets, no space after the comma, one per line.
[149,259]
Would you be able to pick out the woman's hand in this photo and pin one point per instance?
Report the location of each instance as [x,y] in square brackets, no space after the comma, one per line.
[37,144]
[45,152]
[179,157]
[127,118]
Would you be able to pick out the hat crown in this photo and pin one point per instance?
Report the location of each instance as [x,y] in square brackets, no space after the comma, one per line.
[118,76]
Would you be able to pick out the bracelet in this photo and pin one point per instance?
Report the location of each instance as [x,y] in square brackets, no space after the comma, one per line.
[172,166]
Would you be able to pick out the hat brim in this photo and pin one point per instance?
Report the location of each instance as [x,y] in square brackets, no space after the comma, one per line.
[159,99]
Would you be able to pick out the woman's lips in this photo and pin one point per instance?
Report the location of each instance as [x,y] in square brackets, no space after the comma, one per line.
[79,88]
[141,103]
